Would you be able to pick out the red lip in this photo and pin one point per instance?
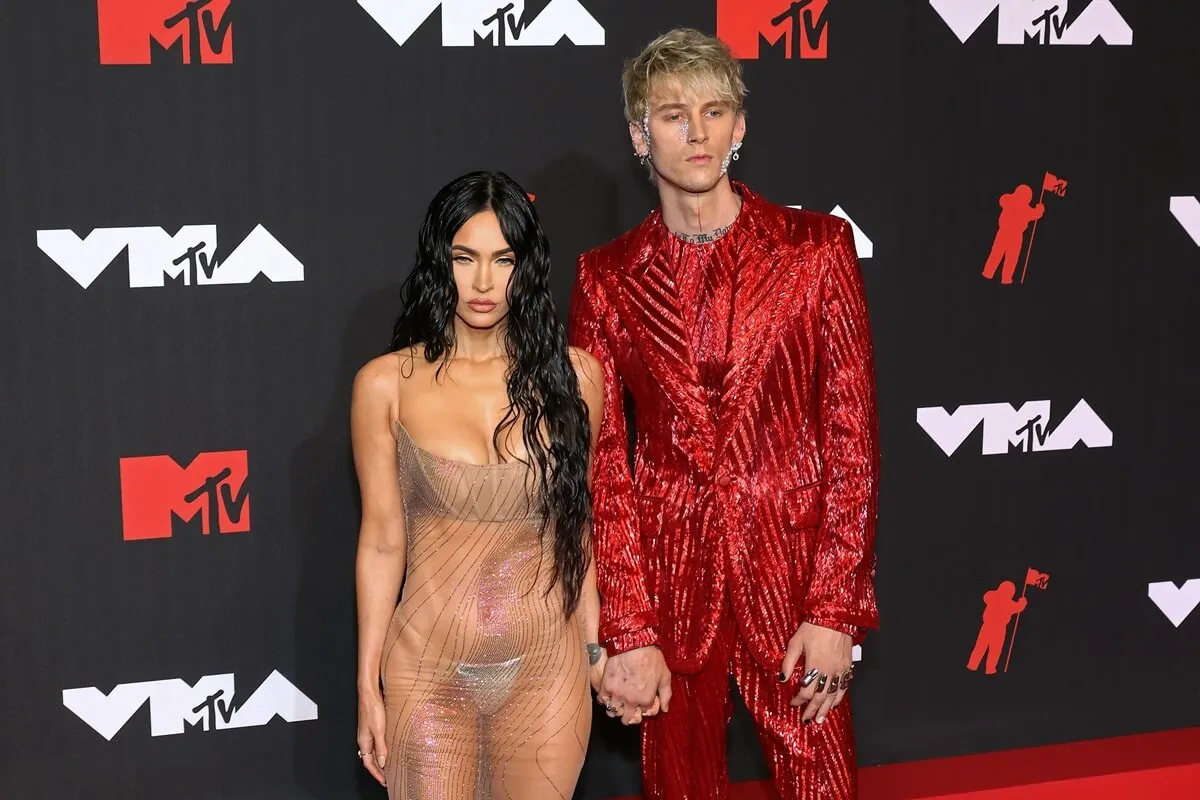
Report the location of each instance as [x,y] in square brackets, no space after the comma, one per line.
[482,306]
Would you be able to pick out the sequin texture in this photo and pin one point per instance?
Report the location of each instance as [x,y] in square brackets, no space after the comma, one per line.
[753,496]
[485,682]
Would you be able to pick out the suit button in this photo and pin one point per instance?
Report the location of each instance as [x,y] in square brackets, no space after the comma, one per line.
[724,480]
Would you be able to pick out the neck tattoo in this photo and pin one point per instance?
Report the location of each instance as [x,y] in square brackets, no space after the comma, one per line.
[703,238]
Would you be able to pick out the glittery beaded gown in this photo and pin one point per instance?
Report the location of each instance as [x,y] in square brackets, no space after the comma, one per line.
[485,682]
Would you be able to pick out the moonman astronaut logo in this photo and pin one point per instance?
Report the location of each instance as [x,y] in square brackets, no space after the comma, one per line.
[1046,22]
[193,31]
[800,28]
[1016,214]
[1000,606]
[500,23]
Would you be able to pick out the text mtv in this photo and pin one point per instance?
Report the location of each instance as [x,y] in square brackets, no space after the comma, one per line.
[190,255]
[176,706]
[1006,428]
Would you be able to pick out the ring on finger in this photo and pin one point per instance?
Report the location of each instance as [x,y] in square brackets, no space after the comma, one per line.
[809,677]
[821,682]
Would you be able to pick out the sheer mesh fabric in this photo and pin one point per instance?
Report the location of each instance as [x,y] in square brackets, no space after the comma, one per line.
[485,682]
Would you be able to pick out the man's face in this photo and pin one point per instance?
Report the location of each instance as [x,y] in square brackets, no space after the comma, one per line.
[691,133]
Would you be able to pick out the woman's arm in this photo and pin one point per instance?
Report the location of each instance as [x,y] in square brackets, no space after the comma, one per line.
[379,567]
[591,387]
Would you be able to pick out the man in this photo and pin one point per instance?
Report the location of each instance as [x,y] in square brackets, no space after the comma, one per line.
[743,543]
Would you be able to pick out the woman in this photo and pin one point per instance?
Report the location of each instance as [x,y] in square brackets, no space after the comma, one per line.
[472,443]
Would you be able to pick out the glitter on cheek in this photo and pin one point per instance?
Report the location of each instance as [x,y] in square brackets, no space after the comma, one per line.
[683,132]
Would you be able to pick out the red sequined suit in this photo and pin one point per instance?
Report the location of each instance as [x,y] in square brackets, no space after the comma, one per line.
[751,507]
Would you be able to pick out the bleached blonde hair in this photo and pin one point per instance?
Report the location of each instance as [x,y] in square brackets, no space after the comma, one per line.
[689,56]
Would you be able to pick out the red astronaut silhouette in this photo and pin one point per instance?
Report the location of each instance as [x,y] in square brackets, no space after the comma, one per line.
[1015,215]
[1001,605]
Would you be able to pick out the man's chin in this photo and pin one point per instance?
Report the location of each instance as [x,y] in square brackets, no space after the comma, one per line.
[697,182]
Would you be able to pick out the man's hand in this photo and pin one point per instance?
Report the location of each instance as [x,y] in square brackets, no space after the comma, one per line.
[828,652]
[636,684]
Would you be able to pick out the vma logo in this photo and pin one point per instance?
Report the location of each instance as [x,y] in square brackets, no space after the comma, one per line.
[190,256]
[1001,605]
[196,31]
[862,243]
[1038,21]
[155,490]
[1176,602]
[799,27]
[175,706]
[1187,211]
[1005,429]
[496,22]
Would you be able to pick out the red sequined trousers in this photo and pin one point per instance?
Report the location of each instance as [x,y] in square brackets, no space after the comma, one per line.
[683,751]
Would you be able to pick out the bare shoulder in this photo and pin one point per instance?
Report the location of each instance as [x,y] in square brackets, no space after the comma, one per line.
[377,380]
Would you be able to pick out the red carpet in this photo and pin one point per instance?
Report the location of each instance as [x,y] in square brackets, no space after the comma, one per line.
[1153,766]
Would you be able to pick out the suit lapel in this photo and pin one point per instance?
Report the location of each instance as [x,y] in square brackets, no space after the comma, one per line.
[657,327]
[765,280]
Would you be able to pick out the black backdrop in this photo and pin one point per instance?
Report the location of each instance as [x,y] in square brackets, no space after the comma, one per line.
[329,134]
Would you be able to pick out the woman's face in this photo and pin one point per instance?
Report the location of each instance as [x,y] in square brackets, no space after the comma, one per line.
[483,268]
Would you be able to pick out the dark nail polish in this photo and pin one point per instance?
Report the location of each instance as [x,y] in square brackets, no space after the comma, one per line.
[782,677]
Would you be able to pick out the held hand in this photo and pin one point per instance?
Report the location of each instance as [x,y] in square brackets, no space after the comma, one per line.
[828,669]
[636,684]
[372,745]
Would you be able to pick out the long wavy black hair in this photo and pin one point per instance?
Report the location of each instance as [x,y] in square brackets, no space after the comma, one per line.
[543,391]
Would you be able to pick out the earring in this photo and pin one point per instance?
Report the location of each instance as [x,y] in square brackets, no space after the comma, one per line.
[736,146]
[642,157]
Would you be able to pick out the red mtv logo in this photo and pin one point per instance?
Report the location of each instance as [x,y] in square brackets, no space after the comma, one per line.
[800,24]
[200,27]
[154,489]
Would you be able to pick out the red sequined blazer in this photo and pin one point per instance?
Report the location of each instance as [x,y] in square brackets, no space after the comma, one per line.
[770,496]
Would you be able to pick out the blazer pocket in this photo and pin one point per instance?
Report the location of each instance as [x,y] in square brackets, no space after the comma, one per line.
[802,506]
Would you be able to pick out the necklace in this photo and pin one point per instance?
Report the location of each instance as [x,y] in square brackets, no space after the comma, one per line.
[703,238]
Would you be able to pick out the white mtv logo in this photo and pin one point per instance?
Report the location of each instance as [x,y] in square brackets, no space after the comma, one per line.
[1041,20]
[174,705]
[503,22]
[1177,602]
[1187,211]
[1024,428]
[154,254]
[863,245]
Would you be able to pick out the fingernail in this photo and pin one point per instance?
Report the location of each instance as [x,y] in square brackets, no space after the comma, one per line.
[782,677]
[820,720]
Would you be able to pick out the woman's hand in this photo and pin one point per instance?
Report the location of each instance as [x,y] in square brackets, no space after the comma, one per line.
[372,746]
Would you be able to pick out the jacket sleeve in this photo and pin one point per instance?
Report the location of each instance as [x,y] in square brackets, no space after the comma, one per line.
[627,618]
[841,592]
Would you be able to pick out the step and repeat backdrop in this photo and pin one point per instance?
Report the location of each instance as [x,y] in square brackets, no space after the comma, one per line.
[206,210]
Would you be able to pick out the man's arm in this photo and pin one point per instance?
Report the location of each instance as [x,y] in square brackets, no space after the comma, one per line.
[627,619]
[841,593]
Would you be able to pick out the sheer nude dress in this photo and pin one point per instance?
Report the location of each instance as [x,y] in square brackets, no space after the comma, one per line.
[485,682]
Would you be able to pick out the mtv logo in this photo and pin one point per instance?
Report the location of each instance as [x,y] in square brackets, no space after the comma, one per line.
[154,255]
[176,706]
[1041,21]
[862,244]
[494,21]
[802,25]
[1005,428]
[1187,211]
[1176,602]
[200,29]
[154,490]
